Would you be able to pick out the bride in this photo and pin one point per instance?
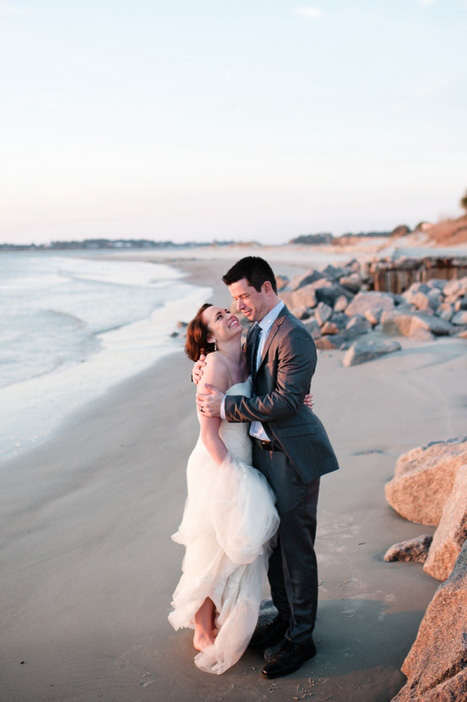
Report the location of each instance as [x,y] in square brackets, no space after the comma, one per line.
[229,515]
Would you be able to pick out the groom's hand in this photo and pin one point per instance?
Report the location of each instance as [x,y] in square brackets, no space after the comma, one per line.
[209,404]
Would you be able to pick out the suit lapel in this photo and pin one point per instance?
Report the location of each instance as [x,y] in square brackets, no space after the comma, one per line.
[272,333]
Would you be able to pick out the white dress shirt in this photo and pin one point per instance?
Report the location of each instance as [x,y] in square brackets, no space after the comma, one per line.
[256,428]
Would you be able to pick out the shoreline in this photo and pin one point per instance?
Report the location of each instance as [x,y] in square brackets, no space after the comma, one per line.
[89,567]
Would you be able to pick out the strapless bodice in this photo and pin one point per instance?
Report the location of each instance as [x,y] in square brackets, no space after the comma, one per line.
[235,435]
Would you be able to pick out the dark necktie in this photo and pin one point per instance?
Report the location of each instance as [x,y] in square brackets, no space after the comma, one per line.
[255,345]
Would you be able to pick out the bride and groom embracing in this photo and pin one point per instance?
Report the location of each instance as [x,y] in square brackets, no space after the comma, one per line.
[241,522]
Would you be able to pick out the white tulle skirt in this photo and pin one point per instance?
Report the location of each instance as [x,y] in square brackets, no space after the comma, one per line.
[228,522]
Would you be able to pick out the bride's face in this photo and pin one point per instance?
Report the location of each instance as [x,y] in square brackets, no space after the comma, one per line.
[221,323]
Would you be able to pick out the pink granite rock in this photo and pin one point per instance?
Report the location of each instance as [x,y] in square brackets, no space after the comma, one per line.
[424,478]
[436,666]
[371,305]
[304,296]
[415,550]
[451,532]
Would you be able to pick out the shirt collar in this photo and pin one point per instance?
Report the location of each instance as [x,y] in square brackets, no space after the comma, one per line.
[267,321]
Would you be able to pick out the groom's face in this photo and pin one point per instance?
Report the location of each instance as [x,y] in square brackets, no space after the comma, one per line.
[253,304]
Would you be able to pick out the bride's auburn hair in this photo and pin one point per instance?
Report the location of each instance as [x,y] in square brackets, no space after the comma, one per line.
[197,336]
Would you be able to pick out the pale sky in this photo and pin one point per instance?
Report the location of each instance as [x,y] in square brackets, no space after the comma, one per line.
[253,119]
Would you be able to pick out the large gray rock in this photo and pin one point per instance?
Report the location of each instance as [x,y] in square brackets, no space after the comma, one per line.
[371,305]
[410,295]
[424,478]
[460,304]
[352,282]
[456,287]
[365,349]
[299,281]
[427,301]
[331,293]
[460,318]
[323,312]
[282,282]
[332,341]
[445,311]
[420,326]
[452,530]
[334,272]
[313,328]
[436,666]
[330,328]
[357,325]
[415,550]
[297,298]
[341,303]
[302,312]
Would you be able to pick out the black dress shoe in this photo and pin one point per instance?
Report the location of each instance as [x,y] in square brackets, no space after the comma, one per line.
[290,657]
[269,634]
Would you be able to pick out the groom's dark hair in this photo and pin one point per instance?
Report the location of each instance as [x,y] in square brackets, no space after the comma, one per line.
[254,269]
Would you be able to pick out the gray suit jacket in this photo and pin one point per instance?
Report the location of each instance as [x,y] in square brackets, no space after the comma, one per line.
[281,382]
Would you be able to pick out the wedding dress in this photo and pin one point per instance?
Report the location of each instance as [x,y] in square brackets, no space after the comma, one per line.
[228,521]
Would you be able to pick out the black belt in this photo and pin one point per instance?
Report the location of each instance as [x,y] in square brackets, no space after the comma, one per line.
[266,445]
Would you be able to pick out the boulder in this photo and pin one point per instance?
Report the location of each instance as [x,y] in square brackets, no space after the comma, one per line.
[437,283]
[421,301]
[420,326]
[424,478]
[341,303]
[371,305]
[334,272]
[427,300]
[436,666]
[456,287]
[296,298]
[452,530]
[365,349]
[282,282]
[340,318]
[357,325]
[330,328]
[445,310]
[332,341]
[460,318]
[411,293]
[460,304]
[301,312]
[351,282]
[415,550]
[313,328]
[323,313]
[300,281]
[331,293]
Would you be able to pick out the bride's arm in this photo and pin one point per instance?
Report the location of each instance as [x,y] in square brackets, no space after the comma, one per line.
[215,373]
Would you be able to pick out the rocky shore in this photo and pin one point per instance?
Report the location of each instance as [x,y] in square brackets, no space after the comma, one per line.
[430,487]
[341,311]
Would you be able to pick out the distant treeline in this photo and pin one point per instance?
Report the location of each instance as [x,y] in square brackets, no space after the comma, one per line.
[327,238]
[108,244]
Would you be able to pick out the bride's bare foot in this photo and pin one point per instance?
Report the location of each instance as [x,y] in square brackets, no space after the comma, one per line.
[203,639]
[204,625]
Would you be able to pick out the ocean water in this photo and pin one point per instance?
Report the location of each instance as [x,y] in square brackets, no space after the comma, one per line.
[73,326]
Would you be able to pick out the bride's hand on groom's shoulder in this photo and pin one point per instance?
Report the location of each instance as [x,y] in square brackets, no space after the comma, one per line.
[197,372]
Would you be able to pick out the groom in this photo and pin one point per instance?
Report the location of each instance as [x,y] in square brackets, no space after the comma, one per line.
[290,447]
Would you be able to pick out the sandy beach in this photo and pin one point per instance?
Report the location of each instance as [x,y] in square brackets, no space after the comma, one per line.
[88,566]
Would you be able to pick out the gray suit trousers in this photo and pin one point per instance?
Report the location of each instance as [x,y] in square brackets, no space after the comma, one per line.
[293,571]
